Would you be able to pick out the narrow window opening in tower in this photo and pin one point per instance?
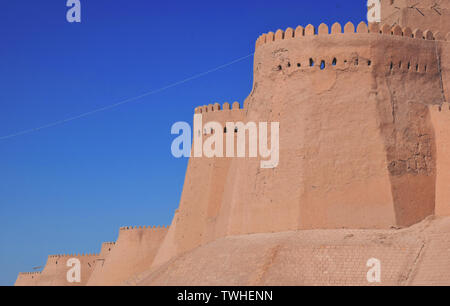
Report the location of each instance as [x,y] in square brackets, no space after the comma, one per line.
[225,130]
[392,66]
[212,131]
[322,65]
[400,65]
[279,67]
[425,68]
[356,62]
[417,67]
[311,62]
[409,66]
[235,130]
[289,64]
[369,63]
[334,62]
[299,65]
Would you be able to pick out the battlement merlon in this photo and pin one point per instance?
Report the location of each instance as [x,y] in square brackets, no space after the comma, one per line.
[108,243]
[129,228]
[77,255]
[349,28]
[215,113]
[216,107]
[30,273]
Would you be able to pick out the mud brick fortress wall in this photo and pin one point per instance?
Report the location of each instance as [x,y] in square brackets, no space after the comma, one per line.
[364,145]
[55,271]
[28,279]
[359,109]
[132,253]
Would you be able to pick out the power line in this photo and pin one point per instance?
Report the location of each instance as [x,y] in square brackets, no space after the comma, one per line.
[110,106]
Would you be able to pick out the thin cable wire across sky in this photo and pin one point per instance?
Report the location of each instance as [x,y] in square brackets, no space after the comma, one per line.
[110,106]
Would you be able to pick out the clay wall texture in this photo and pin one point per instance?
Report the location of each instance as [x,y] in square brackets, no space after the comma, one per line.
[357,138]
[414,256]
[441,120]
[27,279]
[133,252]
[364,148]
[97,273]
[55,271]
[423,14]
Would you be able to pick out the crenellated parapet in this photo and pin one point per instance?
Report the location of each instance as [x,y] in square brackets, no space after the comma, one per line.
[349,28]
[72,255]
[28,278]
[220,114]
[216,107]
[130,228]
[55,271]
[30,273]
[325,55]
[215,113]
[106,248]
[128,234]
[133,252]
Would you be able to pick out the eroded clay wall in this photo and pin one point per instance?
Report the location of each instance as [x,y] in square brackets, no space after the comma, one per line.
[432,267]
[441,121]
[132,253]
[28,279]
[204,191]
[300,258]
[417,255]
[440,115]
[96,275]
[356,139]
[444,53]
[332,170]
[361,127]
[425,14]
[55,270]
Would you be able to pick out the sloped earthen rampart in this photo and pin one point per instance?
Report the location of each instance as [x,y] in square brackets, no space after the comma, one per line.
[132,253]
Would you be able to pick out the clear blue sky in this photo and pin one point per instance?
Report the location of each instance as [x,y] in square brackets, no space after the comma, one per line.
[68,188]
